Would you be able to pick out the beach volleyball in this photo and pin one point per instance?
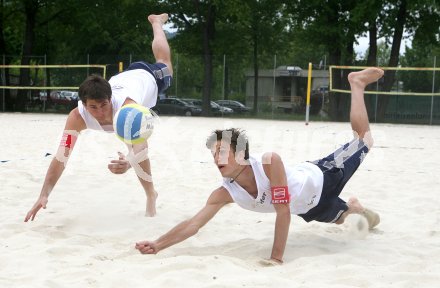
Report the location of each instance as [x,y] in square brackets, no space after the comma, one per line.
[133,123]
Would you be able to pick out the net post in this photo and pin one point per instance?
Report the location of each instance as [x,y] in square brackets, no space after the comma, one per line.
[433,91]
[4,82]
[45,84]
[309,84]
[272,99]
[88,62]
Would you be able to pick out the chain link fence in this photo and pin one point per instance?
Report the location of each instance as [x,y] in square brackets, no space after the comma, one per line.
[279,93]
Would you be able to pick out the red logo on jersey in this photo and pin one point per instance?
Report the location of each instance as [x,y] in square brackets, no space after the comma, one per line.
[280,195]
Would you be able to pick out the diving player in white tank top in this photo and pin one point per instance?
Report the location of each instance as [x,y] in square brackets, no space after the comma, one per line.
[310,190]
[99,101]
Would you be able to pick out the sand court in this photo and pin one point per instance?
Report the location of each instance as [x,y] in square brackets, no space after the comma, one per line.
[86,236]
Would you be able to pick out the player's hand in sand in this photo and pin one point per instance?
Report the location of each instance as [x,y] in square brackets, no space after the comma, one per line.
[270,262]
[41,203]
[119,166]
[147,247]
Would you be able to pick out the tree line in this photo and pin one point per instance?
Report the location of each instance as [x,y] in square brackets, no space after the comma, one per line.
[248,31]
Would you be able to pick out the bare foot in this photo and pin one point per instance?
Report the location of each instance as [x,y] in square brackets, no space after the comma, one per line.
[372,217]
[162,18]
[355,206]
[151,205]
[365,77]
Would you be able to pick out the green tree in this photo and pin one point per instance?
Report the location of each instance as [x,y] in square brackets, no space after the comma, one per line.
[10,43]
[67,31]
[424,52]
[400,16]
[333,26]
[264,28]
[232,28]
[195,21]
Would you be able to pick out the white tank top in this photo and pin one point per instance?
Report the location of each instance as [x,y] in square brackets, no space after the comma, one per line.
[304,180]
[138,85]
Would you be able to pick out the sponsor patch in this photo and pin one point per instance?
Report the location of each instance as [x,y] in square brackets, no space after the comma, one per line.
[280,195]
[68,140]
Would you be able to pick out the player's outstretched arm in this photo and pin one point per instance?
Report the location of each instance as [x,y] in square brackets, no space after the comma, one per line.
[74,124]
[190,227]
[275,171]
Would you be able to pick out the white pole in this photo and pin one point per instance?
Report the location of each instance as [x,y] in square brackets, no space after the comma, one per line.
[433,90]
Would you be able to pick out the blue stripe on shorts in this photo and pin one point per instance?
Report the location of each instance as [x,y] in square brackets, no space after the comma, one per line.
[159,71]
[337,168]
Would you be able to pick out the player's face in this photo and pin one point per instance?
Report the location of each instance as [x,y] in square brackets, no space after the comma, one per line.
[101,110]
[224,159]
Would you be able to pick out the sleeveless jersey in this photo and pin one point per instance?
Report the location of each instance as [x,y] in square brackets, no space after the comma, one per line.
[305,182]
[138,85]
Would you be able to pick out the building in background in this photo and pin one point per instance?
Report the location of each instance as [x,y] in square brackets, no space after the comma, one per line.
[285,88]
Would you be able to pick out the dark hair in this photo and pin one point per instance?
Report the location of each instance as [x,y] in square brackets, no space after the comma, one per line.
[94,87]
[236,137]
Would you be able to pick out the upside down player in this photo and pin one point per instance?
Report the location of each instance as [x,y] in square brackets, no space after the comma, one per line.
[100,100]
[310,190]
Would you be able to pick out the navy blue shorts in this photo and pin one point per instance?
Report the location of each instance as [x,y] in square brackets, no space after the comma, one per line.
[337,168]
[159,71]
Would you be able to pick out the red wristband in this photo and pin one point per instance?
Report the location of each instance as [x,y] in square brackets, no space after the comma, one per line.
[280,195]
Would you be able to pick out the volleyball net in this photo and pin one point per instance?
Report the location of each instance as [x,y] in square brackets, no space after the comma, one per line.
[38,84]
[410,81]
[47,77]
[403,94]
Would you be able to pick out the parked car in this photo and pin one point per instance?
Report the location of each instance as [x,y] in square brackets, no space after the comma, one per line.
[223,109]
[39,96]
[69,99]
[216,109]
[176,106]
[238,107]
[63,97]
